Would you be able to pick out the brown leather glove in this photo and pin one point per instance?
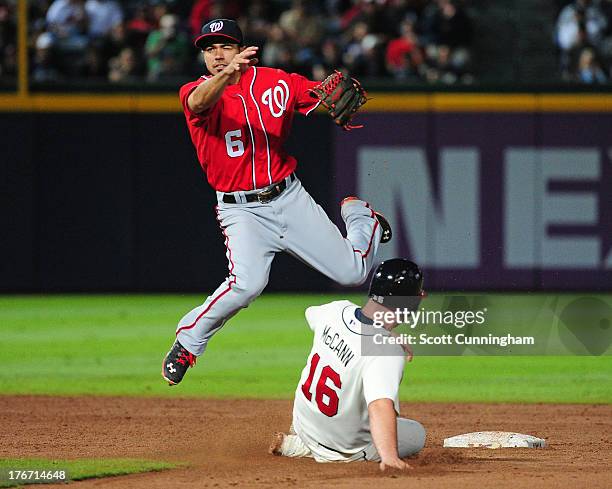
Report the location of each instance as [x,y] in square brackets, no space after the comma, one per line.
[342,97]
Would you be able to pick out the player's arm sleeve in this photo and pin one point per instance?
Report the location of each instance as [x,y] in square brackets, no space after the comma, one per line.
[192,117]
[304,102]
[312,316]
[382,378]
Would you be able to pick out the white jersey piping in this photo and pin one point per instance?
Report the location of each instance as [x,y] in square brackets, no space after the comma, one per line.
[262,124]
[310,110]
[252,140]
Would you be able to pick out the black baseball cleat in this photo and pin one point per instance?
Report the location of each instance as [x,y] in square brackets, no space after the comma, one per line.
[176,363]
[387,234]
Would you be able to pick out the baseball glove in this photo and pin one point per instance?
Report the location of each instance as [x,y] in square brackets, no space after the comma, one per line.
[342,97]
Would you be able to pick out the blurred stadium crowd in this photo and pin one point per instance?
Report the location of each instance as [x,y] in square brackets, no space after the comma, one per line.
[413,40]
[584,36]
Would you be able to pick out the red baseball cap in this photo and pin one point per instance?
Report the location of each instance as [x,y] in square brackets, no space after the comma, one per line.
[219,31]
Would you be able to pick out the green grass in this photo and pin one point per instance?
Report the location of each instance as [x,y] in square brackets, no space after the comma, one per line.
[80,469]
[113,345]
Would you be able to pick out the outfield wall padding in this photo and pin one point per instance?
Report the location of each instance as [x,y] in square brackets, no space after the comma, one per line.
[117,201]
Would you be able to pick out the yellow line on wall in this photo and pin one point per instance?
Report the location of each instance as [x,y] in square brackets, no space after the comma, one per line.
[379,102]
[52,102]
[575,102]
[459,102]
[397,102]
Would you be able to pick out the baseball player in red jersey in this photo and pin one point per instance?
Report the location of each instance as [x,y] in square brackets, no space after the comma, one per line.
[238,117]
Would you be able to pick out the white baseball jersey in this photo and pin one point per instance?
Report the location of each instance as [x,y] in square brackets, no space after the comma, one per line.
[330,412]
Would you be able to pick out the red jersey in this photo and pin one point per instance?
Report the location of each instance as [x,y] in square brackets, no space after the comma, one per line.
[239,139]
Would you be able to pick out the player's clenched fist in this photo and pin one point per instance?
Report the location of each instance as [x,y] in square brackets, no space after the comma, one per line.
[396,463]
[242,61]
[227,63]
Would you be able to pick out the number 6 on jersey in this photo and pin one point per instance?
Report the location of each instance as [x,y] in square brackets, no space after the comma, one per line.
[328,407]
[233,143]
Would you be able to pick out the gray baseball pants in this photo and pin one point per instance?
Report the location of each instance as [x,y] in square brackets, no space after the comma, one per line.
[255,232]
[410,441]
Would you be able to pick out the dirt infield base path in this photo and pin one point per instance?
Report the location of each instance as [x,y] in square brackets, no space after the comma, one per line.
[225,442]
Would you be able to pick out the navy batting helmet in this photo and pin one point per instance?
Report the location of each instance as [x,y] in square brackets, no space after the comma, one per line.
[397,283]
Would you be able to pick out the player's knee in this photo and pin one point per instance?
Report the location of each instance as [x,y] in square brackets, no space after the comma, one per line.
[352,278]
[411,437]
[249,290]
[420,435]
[417,438]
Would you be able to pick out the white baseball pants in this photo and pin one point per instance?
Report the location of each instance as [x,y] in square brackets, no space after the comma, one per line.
[296,224]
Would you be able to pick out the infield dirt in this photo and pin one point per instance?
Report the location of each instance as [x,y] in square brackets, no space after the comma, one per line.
[224,443]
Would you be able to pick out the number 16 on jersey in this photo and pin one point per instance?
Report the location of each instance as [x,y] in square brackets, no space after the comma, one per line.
[326,396]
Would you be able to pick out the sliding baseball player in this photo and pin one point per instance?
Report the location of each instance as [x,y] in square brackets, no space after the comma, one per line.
[346,404]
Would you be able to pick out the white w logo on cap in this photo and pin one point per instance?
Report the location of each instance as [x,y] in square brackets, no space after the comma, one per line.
[216,26]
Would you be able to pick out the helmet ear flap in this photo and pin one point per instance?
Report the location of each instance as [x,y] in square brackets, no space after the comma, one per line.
[395,303]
